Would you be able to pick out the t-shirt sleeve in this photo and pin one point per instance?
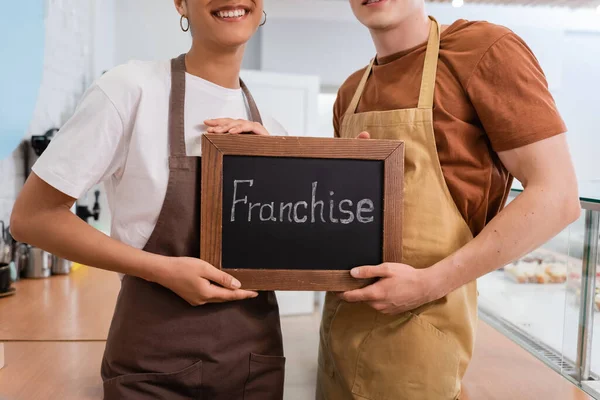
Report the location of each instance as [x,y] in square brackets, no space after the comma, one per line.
[511,97]
[87,150]
[273,126]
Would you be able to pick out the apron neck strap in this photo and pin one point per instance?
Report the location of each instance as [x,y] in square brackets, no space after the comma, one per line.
[427,80]
[177,107]
[360,89]
[254,113]
[430,67]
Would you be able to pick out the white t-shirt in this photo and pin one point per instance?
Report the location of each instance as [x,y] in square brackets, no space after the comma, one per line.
[119,136]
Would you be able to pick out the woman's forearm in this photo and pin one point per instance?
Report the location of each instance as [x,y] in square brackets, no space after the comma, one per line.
[64,234]
[42,218]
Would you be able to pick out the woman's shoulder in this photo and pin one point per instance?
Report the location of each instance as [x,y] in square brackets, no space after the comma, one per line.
[134,77]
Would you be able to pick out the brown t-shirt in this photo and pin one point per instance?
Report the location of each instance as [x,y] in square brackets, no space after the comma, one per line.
[491,95]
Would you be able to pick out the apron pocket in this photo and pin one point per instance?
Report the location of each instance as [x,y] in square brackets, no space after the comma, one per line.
[185,384]
[407,360]
[266,377]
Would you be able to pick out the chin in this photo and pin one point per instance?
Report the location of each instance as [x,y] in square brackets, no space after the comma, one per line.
[234,39]
[385,14]
[378,22]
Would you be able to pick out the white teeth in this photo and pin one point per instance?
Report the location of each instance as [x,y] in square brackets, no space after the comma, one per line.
[232,14]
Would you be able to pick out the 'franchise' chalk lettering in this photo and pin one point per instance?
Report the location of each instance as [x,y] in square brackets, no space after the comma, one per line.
[303,219]
[244,200]
[360,209]
[331,205]
[251,206]
[282,209]
[315,204]
[350,214]
[271,217]
[301,211]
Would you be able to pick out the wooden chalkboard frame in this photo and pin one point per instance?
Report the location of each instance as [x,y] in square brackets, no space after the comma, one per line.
[216,146]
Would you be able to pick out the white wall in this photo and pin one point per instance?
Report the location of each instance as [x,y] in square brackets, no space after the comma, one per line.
[67,72]
[331,49]
[578,99]
[104,30]
[148,30]
[292,100]
[326,101]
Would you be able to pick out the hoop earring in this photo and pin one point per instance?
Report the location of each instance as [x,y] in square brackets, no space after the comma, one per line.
[265,21]
[187,28]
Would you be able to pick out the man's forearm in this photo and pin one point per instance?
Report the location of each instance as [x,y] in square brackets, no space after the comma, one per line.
[534,217]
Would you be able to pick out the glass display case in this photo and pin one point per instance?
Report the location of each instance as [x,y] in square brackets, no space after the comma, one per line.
[549,300]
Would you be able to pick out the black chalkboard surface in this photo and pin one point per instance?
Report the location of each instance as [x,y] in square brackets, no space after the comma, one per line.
[301,213]
[291,213]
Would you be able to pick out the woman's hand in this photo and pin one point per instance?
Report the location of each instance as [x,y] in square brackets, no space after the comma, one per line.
[229,125]
[192,279]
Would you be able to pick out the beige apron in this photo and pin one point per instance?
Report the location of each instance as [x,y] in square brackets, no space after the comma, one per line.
[418,355]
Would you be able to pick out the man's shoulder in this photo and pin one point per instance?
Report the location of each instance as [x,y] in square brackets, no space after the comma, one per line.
[472,37]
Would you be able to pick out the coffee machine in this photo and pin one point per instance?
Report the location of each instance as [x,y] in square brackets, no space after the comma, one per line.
[39,143]
[85,213]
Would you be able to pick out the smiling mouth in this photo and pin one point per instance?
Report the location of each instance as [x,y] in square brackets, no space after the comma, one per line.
[369,2]
[231,13]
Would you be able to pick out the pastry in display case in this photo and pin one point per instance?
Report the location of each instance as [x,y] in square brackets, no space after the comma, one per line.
[539,267]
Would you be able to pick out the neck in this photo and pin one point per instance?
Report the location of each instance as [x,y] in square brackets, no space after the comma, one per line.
[409,33]
[215,65]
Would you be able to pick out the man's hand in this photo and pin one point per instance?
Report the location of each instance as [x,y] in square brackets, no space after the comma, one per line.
[401,288]
[229,125]
[192,279]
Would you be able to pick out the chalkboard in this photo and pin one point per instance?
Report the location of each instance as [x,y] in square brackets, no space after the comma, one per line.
[299,213]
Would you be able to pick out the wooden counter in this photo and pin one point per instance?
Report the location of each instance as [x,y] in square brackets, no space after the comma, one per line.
[54,331]
[52,370]
[78,306]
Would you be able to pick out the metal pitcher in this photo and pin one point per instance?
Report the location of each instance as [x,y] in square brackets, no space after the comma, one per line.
[39,263]
[5,245]
[61,266]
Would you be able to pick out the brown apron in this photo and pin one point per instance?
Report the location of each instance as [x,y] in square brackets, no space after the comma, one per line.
[418,355]
[159,346]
